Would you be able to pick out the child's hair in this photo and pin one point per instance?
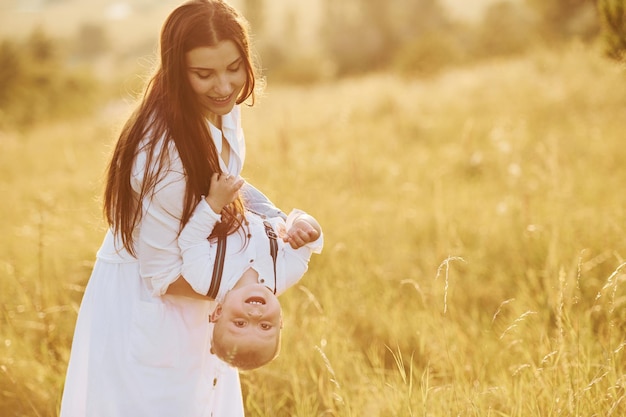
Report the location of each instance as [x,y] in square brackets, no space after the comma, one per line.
[243,356]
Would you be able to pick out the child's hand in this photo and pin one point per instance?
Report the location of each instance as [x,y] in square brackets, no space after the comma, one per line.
[281,231]
[304,230]
[223,191]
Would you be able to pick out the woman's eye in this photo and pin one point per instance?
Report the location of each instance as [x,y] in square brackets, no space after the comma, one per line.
[234,69]
[266,326]
[239,323]
[203,75]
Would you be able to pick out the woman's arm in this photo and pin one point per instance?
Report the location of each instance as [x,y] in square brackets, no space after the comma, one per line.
[181,287]
[158,248]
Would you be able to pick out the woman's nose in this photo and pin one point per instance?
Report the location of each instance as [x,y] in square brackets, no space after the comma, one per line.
[223,87]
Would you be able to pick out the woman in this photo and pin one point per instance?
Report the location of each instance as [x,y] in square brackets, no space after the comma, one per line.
[141,345]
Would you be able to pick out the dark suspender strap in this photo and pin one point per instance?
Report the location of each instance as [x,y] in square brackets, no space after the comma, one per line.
[218,267]
[269,230]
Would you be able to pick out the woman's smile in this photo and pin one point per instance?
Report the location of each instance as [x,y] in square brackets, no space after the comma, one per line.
[217,75]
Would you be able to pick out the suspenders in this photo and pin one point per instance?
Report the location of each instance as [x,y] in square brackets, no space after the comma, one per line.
[218,266]
[271,235]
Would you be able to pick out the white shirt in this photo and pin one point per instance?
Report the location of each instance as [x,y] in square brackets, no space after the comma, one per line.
[241,254]
[160,261]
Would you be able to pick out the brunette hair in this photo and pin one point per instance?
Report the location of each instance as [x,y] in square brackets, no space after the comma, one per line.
[169,115]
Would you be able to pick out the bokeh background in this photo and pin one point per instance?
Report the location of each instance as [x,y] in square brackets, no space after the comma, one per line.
[60,46]
[465,159]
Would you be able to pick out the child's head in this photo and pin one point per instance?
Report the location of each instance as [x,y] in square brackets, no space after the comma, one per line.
[247,327]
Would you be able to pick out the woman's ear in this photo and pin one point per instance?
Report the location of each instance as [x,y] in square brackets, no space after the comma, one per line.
[215,315]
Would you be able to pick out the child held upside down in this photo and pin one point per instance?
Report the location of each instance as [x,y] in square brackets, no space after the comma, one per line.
[250,267]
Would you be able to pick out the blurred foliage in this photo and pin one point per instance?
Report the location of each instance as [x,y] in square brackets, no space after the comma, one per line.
[42,78]
[613,15]
[419,37]
[369,35]
[428,54]
[91,41]
[37,83]
[507,29]
[560,20]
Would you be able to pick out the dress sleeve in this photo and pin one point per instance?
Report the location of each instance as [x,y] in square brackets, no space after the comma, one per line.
[160,259]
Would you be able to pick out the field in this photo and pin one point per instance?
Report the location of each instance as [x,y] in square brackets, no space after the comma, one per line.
[475,229]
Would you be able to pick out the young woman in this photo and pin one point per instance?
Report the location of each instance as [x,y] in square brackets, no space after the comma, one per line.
[142,345]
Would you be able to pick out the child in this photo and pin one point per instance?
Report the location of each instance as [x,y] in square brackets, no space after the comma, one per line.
[250,268]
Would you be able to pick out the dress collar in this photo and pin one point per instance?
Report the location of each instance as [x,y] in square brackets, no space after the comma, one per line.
[228,131]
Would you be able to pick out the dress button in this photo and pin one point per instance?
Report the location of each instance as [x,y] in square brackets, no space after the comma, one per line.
[251,260]
[214,381]
[262,280]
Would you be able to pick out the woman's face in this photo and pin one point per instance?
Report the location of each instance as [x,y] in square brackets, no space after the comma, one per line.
[216,74]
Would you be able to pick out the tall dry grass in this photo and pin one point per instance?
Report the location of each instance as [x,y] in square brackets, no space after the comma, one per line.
[474,258]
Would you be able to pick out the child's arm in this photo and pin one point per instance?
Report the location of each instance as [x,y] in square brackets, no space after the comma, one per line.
[195,249]
[304,231]
[195,278]
[183,288]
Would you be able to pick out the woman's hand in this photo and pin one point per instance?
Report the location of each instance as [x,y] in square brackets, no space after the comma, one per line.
[223,190]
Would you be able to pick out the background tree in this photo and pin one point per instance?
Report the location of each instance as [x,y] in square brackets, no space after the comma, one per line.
[506,28]
[560,20]
[37,84]
[367,35]
[11,71]
[91,41]
[613,18]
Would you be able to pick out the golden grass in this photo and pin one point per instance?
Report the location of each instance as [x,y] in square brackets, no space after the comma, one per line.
[474,253]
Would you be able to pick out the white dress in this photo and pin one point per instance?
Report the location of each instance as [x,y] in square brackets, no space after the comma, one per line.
[137,351]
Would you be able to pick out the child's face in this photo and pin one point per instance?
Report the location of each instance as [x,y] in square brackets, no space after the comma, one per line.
[249,317]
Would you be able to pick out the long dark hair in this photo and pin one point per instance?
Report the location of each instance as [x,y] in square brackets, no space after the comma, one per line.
[170,112]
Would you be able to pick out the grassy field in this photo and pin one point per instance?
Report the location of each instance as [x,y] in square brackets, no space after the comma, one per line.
[475,241]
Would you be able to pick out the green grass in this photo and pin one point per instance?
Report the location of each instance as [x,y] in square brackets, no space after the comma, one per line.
[474,252]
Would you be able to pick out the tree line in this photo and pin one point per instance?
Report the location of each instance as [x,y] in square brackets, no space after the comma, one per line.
[43,78]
